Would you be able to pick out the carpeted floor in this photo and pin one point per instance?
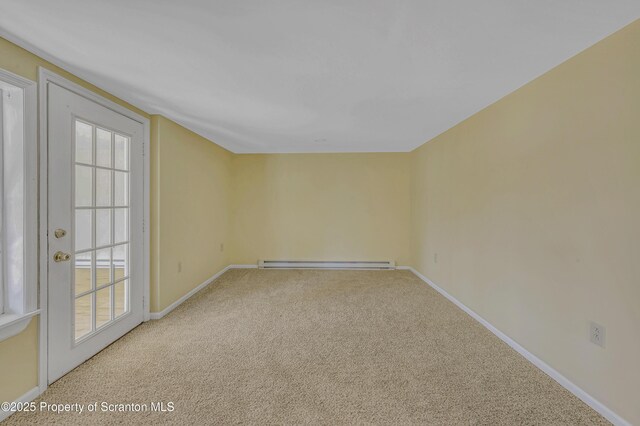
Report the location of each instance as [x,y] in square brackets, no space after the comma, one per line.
[319,347]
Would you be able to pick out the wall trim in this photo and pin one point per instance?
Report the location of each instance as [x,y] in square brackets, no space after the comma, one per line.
[171,307]
[240,266]
[192,292]
[598,406]
[14,324]
[27,397]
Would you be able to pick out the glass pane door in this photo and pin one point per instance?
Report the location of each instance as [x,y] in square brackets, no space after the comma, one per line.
[101,221]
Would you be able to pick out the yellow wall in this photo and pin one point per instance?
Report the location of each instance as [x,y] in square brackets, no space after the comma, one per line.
[191,190]
[19,363]
[321,207]
[533,208]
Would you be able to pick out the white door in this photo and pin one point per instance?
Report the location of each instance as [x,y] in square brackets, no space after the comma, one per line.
[95,202]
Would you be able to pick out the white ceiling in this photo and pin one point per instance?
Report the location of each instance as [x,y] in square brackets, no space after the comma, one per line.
[312,76]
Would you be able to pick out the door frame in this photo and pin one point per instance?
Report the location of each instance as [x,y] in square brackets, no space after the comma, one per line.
[44,77]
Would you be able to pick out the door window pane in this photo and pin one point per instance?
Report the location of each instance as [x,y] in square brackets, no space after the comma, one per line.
[84,186]
[103,187]
[120,296]
[83,229]
[83,315]
[121,190]
[121,261]
[120,225]
[103,148]
[121,146]
[103,306]
[83,272]
[103,267]
[103,227]
[84,143]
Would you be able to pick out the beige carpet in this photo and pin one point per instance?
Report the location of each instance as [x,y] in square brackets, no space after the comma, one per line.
[319,347]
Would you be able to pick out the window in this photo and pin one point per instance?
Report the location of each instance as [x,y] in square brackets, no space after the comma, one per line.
[18,203]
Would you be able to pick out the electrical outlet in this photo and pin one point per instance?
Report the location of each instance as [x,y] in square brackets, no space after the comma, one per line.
[435,258]
[179,266]
[597,334]
[221,246]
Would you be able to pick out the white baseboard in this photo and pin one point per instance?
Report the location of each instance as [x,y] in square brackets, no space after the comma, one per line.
[606,412]
[165,311]
[27,397]
[243,266]
[171,307]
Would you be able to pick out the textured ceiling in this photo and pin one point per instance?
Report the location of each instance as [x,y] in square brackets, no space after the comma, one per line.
[312,76]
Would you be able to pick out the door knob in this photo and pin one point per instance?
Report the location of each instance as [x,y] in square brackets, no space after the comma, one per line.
[61,256]
[59,233]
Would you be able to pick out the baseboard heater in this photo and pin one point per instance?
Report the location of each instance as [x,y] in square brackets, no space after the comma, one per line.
[325,264]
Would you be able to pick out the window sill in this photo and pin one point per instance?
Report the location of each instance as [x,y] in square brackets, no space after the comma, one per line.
[12,324]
